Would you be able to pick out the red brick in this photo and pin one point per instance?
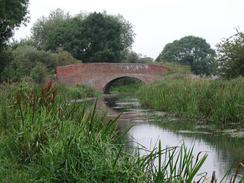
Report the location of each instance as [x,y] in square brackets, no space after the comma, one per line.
[98,75]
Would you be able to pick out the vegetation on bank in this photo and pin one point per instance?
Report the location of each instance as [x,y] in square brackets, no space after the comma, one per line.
[45,138]
[211,102]
[27,61]
[130,88]
[125,85]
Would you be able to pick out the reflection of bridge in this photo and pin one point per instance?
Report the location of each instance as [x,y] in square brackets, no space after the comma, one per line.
[101,75]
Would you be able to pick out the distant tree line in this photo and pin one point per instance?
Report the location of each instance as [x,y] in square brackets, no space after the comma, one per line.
[62,39]
[203,60]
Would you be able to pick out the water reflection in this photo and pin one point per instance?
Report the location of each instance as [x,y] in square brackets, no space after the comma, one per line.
[149,134]
[223,152]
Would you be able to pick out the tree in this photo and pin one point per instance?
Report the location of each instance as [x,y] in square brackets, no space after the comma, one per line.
[231,56]
[106,38]
[97,37]
[193,51]
[58,31]
[12,14]
[133,57]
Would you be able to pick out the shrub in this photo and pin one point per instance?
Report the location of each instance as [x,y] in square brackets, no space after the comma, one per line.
[27,60]
[39,73]
[231,56]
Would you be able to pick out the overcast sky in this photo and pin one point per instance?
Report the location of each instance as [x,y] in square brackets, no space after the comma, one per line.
[155,22]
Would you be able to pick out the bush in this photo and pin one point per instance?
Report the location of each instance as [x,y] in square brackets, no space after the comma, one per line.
[231,56]
[39,73]
[65,58]
[27,59]
[5,59]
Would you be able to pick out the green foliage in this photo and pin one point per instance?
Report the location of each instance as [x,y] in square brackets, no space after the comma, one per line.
[97,37]
[39,73]
[76,92]
[175,164]
[231,56]
[58,31]
[214,102]
[65,58]
[5,59]
[26,60]
[124,85]
[12,13]
[106,37]
[129,88]
[193,51]
[133,57]
[46,139]
[176,68]
[21,43]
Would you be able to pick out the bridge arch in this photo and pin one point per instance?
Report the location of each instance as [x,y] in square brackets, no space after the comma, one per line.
[109,84]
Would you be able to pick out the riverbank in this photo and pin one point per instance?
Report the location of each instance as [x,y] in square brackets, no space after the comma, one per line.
[46,138]
[224,152]
[217,104]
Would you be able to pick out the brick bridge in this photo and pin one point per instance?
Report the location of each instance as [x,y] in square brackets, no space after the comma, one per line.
[102,75]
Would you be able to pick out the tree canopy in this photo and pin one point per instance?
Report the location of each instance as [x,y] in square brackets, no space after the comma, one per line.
[96,37]
[231,56]
[12,14]
[193,51]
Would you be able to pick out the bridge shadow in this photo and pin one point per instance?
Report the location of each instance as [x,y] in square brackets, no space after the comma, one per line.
[121,81]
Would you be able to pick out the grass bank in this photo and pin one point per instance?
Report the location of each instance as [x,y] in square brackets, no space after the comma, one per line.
[218,103]
[130,88]
[45,138]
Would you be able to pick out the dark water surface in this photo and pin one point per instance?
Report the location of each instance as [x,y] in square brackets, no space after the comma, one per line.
[223,152]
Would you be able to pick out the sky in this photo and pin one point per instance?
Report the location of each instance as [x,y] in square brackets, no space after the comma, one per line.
[155,22]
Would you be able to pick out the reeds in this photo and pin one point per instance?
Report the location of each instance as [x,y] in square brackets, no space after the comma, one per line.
[174,164]
[52,140]
[217,102]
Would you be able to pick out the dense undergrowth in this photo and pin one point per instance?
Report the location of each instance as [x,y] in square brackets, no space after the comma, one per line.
[45,138]
[211,102]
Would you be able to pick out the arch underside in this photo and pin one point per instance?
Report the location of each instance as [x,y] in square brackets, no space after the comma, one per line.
[109,84]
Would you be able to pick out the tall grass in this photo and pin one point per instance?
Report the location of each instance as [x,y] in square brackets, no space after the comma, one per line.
[218,102]
[47,139]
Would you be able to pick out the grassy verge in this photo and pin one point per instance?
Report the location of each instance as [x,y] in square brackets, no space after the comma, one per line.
[211,102]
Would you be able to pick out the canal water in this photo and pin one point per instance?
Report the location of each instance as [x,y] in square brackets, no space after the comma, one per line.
[223,152]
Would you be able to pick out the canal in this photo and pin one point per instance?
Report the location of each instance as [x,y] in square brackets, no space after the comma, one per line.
[223,152]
